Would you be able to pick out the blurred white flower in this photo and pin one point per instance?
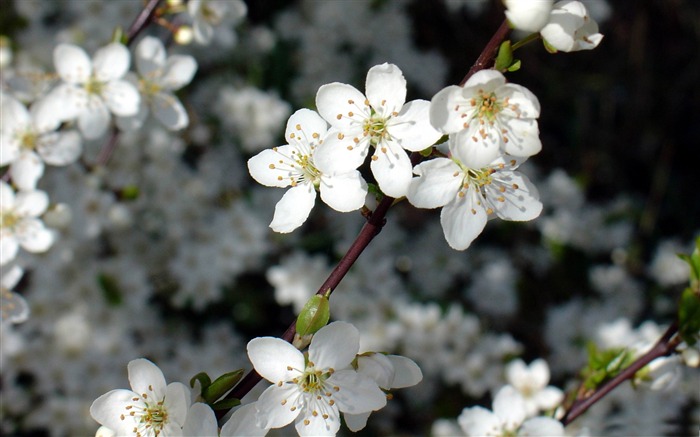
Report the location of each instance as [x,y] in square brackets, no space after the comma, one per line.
[28,139]
[13,307]
[666,268]
[19,222]
[531,381]
[570,28]
[297,277]
[208,14]
[159,76]
[91,89]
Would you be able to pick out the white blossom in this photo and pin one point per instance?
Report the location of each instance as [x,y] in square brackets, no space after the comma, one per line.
[208,14]
[570,28]
[489,116]
[528,15]
[531,381]
[295,165]
[13,307]
[381,120]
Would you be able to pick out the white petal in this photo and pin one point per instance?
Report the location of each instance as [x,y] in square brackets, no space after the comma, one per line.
[357,393]
[523,137]
[72,63]
[478,422]
[378,367]
[341,105]
[305,126]
[339,153]
[271,167]
[541,427]
[33,236]
[150,57]
[9,148]
[271,358]
[177,402]
[26,170]
[14,115]
[201,421]
[7,196]
[344,192]
[272,412]
[486,80]
[242,423]
[520,197]
[438,183]
[472,150]
[169,111]
[107,409]
[31,203]
[8,247]
[549,398]
[179,71]
[60,148]
[392,169]
[121,97]
[517,373]
[529,16]
[65,102]
[463,220]
[444,114]
[146,377]
[412,128]
[136,121]
[406,372]
[46,115]
[94,120]
[334,346]
[539,372]
[521,101]
[356,422]
[294,208]
[386,89]
[317,425]
[111,62]
[509,406]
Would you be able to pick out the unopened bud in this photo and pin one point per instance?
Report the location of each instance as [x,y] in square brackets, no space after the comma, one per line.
[183,35]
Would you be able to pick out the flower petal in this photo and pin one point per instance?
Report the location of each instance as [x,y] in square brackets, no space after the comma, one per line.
[344,192]
[272,357]
[146,377]
[412,128]
[294,208]
[444,110]
[341,105]
[541,427]
[179,71]
[334,346]
[94,120]
[8,246]
[523,137]
[327,423]
[242,423]
[509,406]
[392,169]
[386,89]
[463,220]
[14,115]
[278,406]
[472,149]
[169,111]
[406,372]
[150,57]
[437,183]
[107,409]
[177,402]
[518,199]
[31,203]
[356,422]
[271,166]
[72,63]
[356,393]
[60,148]
[26,170]
[339,153]
[478,421]
[33,236]
[121,97]
[111,62]
[306,127]
[201,421]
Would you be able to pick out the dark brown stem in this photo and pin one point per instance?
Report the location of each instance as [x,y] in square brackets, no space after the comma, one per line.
[488,55]
[663,347]
[143,19]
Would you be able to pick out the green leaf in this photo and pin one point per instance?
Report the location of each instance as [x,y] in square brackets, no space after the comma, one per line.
[222,385]
[689,316]
[203,378]
[504,58]
[110,289]
[515,66]
[314,315]
[604,365]
[226,404]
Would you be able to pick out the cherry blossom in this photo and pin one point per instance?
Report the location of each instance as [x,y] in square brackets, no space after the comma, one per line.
[91,89]
[159,76]
[528,15]
[381,120]
[20,224]
[28,139]
[207,14]
[570,28]
[313,389]
[471,192]
[13,307]
[489,116]
[295,165]
[531,381]
[151,409]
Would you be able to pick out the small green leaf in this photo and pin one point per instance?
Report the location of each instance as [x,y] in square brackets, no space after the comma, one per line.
[221,386]
[203,378]
[548,46]
[110,289]
[689,316]
[426,152]
[314,315]
[118,35]
[603,365]
[504,58]
[515,66]
[129,192]
[226,404]
[374,190]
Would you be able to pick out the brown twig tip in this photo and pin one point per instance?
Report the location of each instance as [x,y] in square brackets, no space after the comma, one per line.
[488,55]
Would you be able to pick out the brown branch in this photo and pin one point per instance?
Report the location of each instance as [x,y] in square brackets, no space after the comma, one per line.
[663,347]
[487,56]
[143,19]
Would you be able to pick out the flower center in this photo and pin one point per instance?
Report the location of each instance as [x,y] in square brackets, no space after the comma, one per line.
[27,140]
[312,380]
[8,220]
[94,86]
[488,105]
[148,87]
[376,128]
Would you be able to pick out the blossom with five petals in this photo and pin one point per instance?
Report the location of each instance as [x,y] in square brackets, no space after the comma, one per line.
[312,390]
[92,89]
[489,115]
[471,191]
[381,120]
[295,165]
[570,28]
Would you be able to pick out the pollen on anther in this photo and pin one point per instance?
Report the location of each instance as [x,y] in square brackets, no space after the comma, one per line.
[349,147]
[350,114]
[351,102]
[489,211]
[473,211]
[325,416]
[279,178]
[339,116]
[307,422]
[501,199]
[314,413]
[502,189]
[293,409]
[516,186]
[331,402]
[284,402]
[122,417]
[271,166]
[374,157]
[279,384]
[315,135]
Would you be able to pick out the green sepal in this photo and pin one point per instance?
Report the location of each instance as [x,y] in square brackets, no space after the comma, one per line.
[118,35]
[504,58]
[604,365]
[515,66]
[221,386]
[426,152]
[374,190]
[314,315]
[226,404]
[549,47]
[129,192]
[203,378]
[110,289]
[689,316]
